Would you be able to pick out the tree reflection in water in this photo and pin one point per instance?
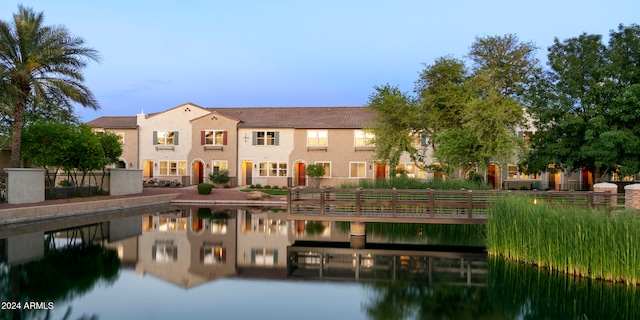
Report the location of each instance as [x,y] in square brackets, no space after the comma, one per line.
[513,291]
[61,275]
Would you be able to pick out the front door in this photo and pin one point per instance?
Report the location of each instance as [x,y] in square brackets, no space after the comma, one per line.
[147,169]
[248,173]
[381,170]
[493,176]
[198,172]
[301,172]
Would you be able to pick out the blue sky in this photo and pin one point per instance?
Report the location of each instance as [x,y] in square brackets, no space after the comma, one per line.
[159,54]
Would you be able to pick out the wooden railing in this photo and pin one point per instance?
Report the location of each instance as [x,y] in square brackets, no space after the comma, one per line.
[423,206]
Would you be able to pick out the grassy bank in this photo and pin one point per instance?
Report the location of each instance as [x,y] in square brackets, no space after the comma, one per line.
[576,241]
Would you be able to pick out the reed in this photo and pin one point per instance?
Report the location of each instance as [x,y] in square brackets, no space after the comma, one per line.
[580,242]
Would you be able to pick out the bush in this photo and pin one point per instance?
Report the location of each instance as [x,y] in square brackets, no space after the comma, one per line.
[267,187]
[220,176]
[258,186]
[275,188]
[204,188]
[227,186]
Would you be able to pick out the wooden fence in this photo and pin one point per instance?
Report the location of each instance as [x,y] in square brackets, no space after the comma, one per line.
[418,206]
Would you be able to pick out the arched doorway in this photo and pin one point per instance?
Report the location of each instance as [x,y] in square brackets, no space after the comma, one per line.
[198,172]
[493,175]
[121,164]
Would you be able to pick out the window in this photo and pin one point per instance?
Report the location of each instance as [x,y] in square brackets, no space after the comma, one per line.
[408,169]
[213,137]
[358,170]
[120,137]
[173,168]
[218,165]
[526,136]
[515,173]
[317,138]
[169,138]
[364,138]
[164,251]
[272,169]
[327,168]
[265,138]
[266,257]
[211,254]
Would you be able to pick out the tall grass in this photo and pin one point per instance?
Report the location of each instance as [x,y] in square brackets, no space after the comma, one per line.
[412,183]
[431,234]
[576,241]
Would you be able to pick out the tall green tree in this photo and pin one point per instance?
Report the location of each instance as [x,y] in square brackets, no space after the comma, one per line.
[394,124]
[40,62]
[587,106]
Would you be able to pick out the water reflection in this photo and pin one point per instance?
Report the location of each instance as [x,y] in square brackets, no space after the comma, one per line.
[398,272]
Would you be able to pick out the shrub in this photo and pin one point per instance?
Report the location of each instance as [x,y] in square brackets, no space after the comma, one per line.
[258,186]
[204,188]
[275,188]
[220,176]
[267,187]
[227,186]
[64,183]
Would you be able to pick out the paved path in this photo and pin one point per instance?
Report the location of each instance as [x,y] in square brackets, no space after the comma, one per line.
[186,195]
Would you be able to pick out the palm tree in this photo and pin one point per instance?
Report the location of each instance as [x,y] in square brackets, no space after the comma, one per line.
[40,63]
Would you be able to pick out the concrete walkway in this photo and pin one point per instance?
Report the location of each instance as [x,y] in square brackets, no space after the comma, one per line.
[12,213]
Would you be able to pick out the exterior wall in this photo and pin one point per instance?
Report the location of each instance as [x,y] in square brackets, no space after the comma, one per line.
[176,119]
[340,152]
[129,147]
[250,156]
[208,154]
[25,185]
[125,181]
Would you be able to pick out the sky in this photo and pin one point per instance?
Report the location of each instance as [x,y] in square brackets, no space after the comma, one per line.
[156,55]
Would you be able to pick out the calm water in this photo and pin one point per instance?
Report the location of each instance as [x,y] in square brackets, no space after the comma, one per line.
[221,263]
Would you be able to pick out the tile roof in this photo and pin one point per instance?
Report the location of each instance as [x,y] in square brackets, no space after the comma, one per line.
[107,122]
[299,117]
[272,117]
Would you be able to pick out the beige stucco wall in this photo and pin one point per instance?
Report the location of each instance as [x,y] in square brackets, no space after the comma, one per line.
[340,152]
[256,154]
[176,119]
[228,153]
[129,147]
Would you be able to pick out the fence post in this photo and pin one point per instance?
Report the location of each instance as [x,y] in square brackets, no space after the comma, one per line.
[394,202]
[358,201]
[470,204]
[432,206]
[322,202]
[610,188]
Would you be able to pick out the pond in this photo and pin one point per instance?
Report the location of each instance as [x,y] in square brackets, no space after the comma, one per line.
[243,263]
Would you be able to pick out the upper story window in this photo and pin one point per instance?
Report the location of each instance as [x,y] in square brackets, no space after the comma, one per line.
[317,138]
[364,138]
[266,138]
[169,138]
[526,136]
[120,137]
[213,137]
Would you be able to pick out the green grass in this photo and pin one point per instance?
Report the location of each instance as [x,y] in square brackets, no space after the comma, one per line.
[411,183]
[268,191]
[581,242]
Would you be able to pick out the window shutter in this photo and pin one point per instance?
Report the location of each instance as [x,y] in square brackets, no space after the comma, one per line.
[175,138]
[224,138]
[277,138]
[224,254]
[254,138]
[521,135]
[423,139]
[175,253]
[202,137]
[202,252]
[153,252]
[275,256]
[155,138]
[253,256]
